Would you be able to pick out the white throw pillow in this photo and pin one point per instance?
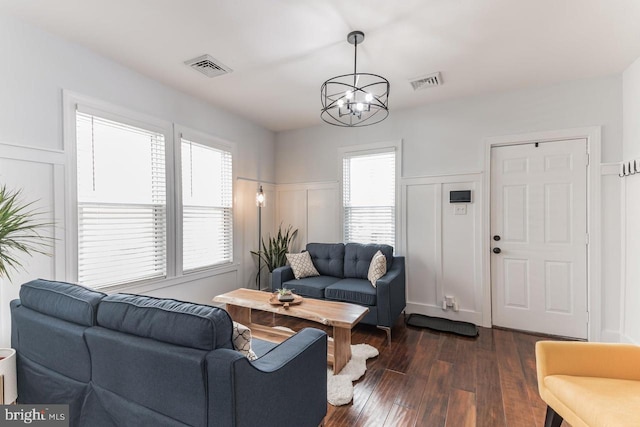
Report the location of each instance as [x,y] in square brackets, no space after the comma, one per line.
[242,340]
[377,268]
[302,265]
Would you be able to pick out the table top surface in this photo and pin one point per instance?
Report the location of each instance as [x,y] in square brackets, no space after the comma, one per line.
[331,313]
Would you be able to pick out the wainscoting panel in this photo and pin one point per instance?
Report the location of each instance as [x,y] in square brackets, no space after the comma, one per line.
[39,175]
[443,246]
[312,208]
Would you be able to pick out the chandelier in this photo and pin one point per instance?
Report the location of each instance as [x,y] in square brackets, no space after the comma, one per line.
[358,99]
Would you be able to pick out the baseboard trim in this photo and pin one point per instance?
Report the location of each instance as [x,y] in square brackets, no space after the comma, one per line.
[609,335]
[436,311]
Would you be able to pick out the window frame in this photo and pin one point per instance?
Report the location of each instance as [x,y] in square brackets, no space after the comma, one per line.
[368,149]
[173,134]
[180,133]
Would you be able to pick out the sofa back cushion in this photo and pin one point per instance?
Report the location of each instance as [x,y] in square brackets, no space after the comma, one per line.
[61,300]
[357,258]
[167,320]
[328,258]
[54,344]
[154,378]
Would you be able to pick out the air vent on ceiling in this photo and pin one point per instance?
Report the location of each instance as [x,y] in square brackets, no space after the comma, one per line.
[208,65]
[431,80]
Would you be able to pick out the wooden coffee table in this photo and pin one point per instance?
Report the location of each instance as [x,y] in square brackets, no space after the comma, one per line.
[342,316]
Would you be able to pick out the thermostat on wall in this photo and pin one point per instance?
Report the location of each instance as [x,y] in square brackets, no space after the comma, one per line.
[462,196]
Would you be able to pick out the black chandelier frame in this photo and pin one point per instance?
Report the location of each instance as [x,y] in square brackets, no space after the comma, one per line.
[340,110]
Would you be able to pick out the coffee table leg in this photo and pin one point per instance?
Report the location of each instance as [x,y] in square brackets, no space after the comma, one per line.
[240,314]
[341,348]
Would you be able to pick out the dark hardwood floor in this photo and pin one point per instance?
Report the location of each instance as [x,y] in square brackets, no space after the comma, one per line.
[432,379]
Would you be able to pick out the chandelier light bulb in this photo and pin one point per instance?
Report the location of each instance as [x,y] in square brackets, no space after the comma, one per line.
[360,106]
[368,97]
[340,103]
[349,94]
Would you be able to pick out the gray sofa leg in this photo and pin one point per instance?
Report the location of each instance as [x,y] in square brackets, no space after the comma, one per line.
[388,331]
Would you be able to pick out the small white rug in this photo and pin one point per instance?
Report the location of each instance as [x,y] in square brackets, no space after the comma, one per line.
[340,387]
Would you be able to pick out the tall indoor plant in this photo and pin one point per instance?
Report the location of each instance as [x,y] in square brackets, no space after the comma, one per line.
[273,252]
[20,231]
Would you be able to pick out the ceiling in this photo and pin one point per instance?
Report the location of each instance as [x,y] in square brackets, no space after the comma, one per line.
[281,51]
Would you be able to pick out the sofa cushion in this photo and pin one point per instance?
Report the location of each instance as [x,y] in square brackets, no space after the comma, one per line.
[377,268]
[302,265]
[66,301]
[50,341]
[311,286]
[357,258]
[328,258]
[176,322]
[165,378]
[242,340]
[356,291]
[596,401]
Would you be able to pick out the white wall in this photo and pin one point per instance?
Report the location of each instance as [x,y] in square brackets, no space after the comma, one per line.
[36,67]
[447,139]
[630,316]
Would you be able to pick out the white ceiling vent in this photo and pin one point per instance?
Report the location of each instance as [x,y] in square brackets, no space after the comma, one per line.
[208,65]
[431,80]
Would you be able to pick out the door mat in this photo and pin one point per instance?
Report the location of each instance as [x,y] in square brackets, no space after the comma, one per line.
[443,325]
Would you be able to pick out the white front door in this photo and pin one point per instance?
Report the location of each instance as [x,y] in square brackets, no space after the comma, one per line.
[539,237]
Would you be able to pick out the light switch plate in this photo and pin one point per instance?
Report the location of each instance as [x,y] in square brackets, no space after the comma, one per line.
[459,209]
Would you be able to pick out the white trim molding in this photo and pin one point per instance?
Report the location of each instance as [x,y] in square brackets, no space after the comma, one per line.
[594,286]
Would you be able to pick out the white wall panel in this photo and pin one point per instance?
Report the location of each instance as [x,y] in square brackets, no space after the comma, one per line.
[313,209]
[323,215]
[40,177]
[630,293]
[421,245]
[443,246]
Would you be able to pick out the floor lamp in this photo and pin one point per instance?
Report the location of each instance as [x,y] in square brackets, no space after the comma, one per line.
[261,202]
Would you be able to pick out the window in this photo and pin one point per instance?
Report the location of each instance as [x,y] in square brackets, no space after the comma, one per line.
[121,202]
[151,204]
[369,196]
[206,206]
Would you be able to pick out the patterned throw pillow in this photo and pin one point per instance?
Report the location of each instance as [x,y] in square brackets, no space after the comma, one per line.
[242,340]
[377,268]
[302,265]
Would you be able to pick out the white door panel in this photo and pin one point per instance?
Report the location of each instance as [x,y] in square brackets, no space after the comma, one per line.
[539,212]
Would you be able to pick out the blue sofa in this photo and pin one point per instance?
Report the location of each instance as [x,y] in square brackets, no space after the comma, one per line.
[132,360]
[343,272]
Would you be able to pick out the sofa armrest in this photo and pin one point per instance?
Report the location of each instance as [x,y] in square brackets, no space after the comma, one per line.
[585,359]
[285,387]
[281,275]
[391,293]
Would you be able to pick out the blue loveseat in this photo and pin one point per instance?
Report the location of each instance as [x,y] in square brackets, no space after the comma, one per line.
[343,272]
[132,360]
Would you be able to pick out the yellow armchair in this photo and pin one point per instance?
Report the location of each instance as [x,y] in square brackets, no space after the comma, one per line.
[589,384]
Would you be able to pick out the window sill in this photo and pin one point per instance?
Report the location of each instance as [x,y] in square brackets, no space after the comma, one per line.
[144,286]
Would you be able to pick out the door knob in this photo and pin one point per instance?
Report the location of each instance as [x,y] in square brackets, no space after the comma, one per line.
[496,250]
[496,238]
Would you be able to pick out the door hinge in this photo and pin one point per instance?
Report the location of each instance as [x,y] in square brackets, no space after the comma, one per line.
[587,159]
[587,238]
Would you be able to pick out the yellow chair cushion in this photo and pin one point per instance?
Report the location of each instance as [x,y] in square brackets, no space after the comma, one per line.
[594,402]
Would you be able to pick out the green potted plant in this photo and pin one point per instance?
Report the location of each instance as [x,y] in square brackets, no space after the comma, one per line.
[274,251]
[20,227]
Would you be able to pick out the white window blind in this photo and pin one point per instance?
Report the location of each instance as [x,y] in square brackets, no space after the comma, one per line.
[207,217]
[121,202]
[369,197]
